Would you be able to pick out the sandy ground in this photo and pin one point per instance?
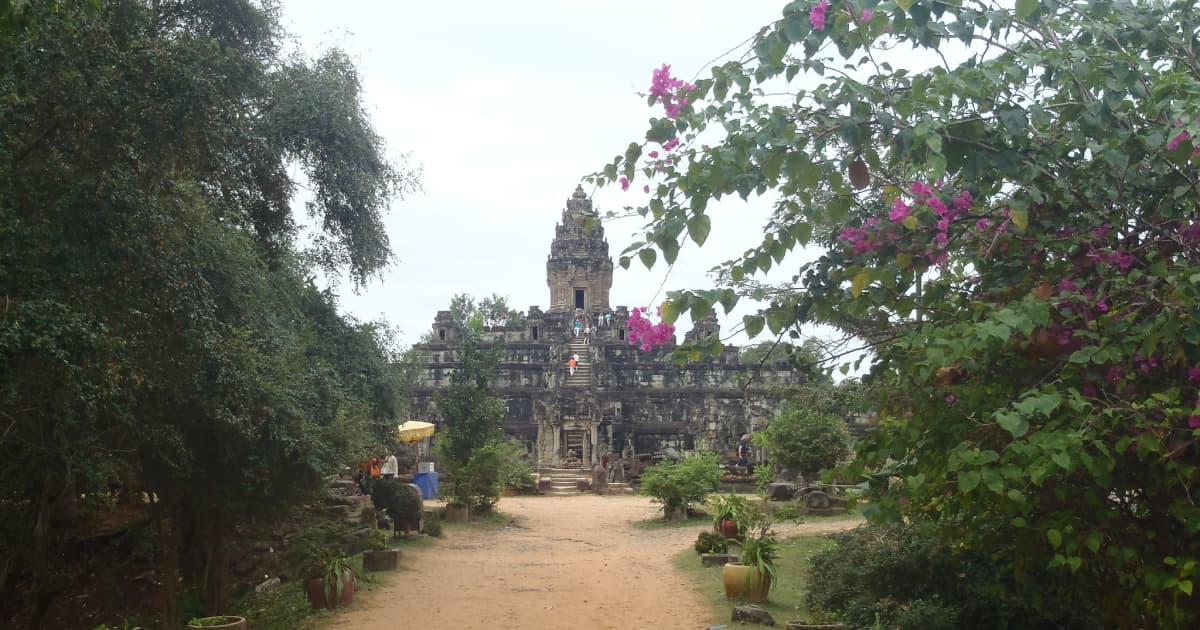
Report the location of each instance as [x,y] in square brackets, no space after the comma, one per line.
[566,562]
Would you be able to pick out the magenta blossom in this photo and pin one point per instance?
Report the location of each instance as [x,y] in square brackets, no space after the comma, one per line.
[646,188]
[1174,143]
[1194,422]
[670,144]
[816,15]
[624,182]
[900,210]
[866,15]
[648,335]
[1194,374]
[669,91]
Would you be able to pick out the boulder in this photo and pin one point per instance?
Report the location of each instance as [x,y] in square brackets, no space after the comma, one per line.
[781,491]
[753,614]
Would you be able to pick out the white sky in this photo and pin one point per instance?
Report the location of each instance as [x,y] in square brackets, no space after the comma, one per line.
[506,106]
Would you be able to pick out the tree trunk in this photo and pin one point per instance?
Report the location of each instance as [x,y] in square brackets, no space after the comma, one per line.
[216,573]
[168,566]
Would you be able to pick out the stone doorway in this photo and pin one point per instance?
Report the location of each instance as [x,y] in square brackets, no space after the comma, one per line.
[575,448]
[579,299]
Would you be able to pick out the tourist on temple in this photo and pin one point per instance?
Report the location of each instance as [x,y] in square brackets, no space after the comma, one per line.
[743,452]
[572,363]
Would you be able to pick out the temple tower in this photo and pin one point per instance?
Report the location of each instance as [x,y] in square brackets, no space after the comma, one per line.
[579,269]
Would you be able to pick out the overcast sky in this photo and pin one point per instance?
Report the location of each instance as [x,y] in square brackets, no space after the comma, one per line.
[506,106]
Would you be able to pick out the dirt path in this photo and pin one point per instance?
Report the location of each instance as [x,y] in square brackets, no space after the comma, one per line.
[568,562]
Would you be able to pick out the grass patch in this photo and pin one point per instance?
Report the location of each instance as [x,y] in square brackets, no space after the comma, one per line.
[494,519]
[659,522]
[787,596]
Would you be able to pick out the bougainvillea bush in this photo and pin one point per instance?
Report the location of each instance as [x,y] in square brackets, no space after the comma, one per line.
[1005,195]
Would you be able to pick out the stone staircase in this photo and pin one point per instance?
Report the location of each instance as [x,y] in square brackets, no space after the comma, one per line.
[583,371]
[564,482]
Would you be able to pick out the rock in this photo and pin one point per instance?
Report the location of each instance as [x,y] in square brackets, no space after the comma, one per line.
[267,585]
[367,517]
[753,614]
[781,491]
[785,475]
[816,500]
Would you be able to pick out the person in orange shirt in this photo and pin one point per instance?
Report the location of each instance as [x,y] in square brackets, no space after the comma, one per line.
[571,364]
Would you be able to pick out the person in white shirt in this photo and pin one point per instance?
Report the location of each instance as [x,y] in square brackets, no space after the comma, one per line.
[390,466]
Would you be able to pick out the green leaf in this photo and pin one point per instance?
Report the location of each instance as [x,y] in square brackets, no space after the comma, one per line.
[860,282]
[754,324]
[1020,218]
[698,228]
[1055,538]
[968,481]
[670,311]
[648,257]
[904,5]
[1185,586]
[1014,423]
[1062,459]
[1025,8]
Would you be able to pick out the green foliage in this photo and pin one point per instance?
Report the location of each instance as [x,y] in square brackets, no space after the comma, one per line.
[473,315]
[906,576]
[333,569]
[679,484]
[729,506]
[1012,231]
[379,540]
[209,622]
[805,440]
[711,542]
[401,502]
[433,526]
[515,470]
[761,552]
[471,413]
[160,335]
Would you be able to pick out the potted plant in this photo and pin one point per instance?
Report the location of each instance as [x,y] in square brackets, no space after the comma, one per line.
[222,622]
[728,513]
[756,573]
[329,579]
[380,556]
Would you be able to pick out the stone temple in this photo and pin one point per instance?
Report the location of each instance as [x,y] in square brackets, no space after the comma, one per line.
[619,396]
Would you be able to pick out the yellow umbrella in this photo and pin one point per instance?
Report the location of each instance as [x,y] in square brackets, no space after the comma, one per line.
[414,431]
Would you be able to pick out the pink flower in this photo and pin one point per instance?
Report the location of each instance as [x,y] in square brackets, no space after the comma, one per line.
[624,182]
[866,15]
[1194,422]
[1066,286]
[1194,374]
[669,91]
[671,144]
[654,154]
[900,210]
[1115,374]
[816,15]
[646,188]
[921,190]
[1173,143]
[982,224]
[646,334]
[950,398]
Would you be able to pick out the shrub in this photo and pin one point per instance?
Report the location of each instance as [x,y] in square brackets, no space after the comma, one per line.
[804,440]
[679,484]
[711,542]
[908,578]
[433,526]
[515,471]
[398,499]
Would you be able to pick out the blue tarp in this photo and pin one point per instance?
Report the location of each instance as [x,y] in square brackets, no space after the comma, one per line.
[428,483]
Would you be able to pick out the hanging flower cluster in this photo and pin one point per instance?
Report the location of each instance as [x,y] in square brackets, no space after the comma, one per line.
[648,334]
[671,92]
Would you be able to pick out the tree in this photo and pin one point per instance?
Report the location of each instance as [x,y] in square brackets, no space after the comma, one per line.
[1012,231]
[471,417]
[680,484]
[158,336]
[805,440]
[464,309]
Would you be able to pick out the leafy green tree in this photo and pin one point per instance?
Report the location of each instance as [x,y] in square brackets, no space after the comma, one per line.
[805,440]
[472,314]
[1012,231]
[158,336]
[471,418]
[677,485]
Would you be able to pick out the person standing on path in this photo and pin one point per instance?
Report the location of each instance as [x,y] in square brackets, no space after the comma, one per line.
[571,363]
[390,466]
[743,452]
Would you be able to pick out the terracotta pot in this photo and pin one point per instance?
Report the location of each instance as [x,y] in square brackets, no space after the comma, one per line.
[759,586]
[232,622]
[385,560]
[458,513]
[315,589]
[728,528]
[733,576]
